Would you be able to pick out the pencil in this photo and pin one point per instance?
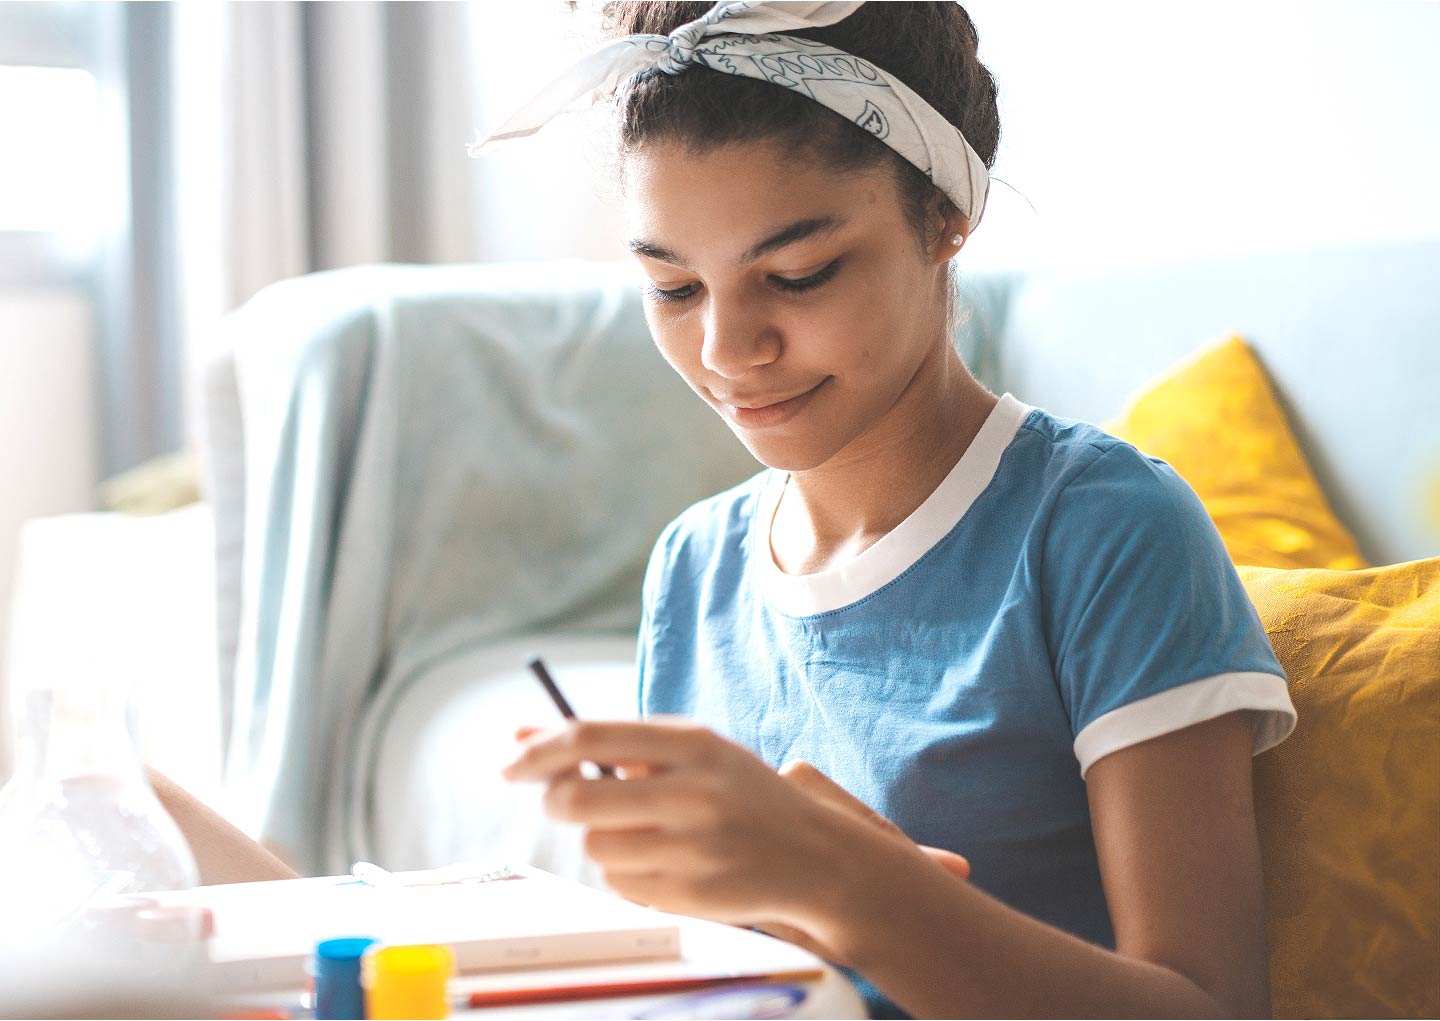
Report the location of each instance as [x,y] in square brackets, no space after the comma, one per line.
[537,666]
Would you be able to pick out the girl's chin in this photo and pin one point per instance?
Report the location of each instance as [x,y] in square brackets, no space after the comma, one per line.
[782,453]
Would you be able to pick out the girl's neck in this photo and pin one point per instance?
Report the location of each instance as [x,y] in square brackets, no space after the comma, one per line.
[833,512]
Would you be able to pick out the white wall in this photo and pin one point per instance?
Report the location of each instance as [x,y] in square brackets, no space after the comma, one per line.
[1145,131]
[548,195]
[1137,130]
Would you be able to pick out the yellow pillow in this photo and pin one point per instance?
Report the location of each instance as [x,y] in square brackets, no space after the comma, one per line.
[1215,420]
[1348,806]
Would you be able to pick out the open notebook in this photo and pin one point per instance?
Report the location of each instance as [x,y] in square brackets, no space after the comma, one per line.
[266,932]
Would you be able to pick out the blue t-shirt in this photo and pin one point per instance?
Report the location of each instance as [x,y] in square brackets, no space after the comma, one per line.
[1059,596]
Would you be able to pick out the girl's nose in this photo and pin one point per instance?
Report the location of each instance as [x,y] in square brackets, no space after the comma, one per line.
[736,343]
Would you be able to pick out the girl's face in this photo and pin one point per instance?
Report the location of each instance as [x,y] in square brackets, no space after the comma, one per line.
[792,299]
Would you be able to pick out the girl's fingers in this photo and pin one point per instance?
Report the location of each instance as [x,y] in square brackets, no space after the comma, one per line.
[614,803]
[809,779]
[633,770]
[666,891]
[955,864]
[638,851]
[642,888]
[622,769]
[657,741]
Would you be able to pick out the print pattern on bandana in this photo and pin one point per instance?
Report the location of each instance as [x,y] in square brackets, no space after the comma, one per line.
[748,38]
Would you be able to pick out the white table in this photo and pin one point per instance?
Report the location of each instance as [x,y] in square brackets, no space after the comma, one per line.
[708,948]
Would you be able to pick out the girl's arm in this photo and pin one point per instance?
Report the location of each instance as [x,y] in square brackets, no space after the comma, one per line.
[714,832]
[222,852]
[1179,856]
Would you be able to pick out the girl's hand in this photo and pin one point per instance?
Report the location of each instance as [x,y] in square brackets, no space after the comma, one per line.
[698,825]
[815,783]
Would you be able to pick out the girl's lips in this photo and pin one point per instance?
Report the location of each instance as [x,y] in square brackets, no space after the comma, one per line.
[771,414]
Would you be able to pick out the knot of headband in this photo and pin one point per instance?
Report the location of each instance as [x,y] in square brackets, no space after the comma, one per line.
[745,37]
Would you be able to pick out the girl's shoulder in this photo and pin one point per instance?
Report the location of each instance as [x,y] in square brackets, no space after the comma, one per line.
[710,530]
[1089,465]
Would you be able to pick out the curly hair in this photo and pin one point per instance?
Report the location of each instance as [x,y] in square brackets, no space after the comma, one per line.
[930,46]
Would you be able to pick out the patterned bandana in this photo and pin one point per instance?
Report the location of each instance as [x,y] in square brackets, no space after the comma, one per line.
[741,37]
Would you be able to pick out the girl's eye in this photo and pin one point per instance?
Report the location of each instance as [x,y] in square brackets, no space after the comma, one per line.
[784,283]
[806,283]
[660,294]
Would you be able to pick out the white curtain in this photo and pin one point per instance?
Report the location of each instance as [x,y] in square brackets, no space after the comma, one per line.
[311,136]
[315,136]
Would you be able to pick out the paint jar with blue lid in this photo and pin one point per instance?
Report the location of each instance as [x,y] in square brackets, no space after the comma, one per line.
[335,972]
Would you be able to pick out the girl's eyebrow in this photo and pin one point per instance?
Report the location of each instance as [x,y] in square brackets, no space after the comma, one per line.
[800,230]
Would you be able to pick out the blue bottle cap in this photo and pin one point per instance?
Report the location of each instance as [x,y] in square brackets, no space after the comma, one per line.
[350,948]
[336,968]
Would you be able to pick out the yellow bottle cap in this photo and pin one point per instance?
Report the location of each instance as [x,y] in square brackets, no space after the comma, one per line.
[407,981]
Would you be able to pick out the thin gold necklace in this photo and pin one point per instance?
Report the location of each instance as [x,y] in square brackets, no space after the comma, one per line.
[770,531]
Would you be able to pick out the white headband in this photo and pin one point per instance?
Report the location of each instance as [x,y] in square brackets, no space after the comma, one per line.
[738,37]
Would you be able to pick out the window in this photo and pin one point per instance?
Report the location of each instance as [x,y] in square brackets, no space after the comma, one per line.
[49,120]
[61,141]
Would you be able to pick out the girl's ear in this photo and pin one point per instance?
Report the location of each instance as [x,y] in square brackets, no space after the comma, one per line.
[944,222]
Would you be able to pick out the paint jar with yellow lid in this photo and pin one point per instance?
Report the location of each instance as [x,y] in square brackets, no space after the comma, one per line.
[406,981]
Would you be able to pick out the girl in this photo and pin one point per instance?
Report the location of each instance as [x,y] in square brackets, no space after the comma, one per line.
[960,694]
[1014,637]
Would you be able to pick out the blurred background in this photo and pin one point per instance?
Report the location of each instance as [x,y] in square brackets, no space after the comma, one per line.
[162,162]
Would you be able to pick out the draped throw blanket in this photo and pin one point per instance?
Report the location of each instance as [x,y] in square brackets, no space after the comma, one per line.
[433,459]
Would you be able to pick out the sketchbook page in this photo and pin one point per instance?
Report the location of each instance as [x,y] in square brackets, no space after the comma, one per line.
[286,918]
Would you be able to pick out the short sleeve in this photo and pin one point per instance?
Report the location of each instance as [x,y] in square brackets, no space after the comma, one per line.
[1149,627]
[650,589]
[642,646]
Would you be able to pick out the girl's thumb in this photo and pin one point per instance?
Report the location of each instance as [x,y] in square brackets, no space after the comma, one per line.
[809,779]
[955,864]
[822,788]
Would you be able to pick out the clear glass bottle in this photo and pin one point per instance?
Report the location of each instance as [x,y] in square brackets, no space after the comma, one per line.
[82,838]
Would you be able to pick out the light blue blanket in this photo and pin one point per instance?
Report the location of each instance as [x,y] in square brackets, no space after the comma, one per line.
[431,462]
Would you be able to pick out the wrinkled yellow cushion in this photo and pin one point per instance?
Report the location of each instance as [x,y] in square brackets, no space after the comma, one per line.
[1348,806]
[1215,420]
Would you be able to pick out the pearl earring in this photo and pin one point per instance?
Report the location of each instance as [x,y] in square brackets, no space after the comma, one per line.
[957,239]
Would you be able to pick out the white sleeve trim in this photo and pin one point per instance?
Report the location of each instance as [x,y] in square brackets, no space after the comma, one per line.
[1190,703]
